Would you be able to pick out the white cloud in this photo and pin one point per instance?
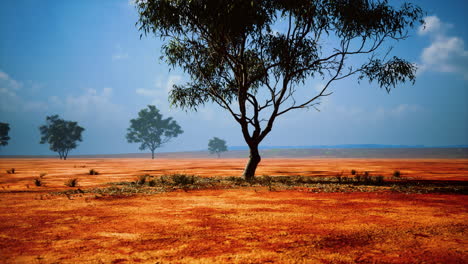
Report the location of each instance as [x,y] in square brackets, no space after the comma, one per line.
[398,111]
[92,104]
[7,92]
[35,106]
[432,24]
[9,83]
[318,87]
[159,94]
[445,53]
[4,76]
[147,92]
[9,100]
[353,112]
[173,79]
[119,54]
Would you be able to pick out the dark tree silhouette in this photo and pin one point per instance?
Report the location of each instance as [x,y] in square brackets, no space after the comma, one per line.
[61,135]
[4,129]
[151,130]
[250,57]
[217,145]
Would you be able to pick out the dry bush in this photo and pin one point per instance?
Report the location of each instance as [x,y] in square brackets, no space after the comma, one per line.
[72,182]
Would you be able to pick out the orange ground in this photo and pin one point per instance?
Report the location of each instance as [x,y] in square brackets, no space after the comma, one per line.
[248,225]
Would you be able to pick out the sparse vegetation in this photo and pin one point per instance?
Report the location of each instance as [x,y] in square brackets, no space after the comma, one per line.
[141,180]
[72,182]
[357,178]
[341,182]
[42,175]
[38,182]
[397,174]
[11,171]
[152,182]
[182,179]
[93,172]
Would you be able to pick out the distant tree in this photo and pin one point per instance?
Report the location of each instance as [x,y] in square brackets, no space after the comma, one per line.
[151,130]
[4,129]
[61,135]
[252,57]
[217,145]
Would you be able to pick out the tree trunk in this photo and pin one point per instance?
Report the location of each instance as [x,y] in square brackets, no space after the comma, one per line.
[251,167]
[152,154]
[218,154]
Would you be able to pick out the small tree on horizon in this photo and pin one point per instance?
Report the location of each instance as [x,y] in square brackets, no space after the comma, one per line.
[217,145]
[61,135]
[151,130]
[4,129]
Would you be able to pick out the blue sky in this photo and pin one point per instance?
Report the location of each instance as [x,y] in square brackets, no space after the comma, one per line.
[85,61]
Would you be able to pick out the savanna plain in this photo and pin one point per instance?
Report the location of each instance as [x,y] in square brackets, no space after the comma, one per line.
[200,211]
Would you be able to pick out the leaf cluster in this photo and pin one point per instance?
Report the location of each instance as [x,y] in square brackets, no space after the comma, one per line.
[4,129]
[217,145]
[61,135]
[230,47]
[151,129]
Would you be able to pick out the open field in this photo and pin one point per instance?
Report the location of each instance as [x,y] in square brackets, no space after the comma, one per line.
[233,224]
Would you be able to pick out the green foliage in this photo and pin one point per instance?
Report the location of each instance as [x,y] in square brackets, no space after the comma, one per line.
[217,145]
[72,182]
[151,130]
[4,129]
[234,52]
[93,172]
[61,135]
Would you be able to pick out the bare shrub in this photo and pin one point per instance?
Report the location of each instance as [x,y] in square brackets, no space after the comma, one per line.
[141,180]
[72,182]
[38,182]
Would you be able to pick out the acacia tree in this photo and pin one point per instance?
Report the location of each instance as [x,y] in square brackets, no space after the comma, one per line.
[217,145]
[250,57]
[151,130]
[4,129]
[61,135]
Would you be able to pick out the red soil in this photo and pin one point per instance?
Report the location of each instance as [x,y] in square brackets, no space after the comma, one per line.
[249,225]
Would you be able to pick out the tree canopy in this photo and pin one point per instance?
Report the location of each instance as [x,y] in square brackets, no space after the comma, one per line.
[61,135]
[250,57]
[151,130]
[4,130]
[217,145]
